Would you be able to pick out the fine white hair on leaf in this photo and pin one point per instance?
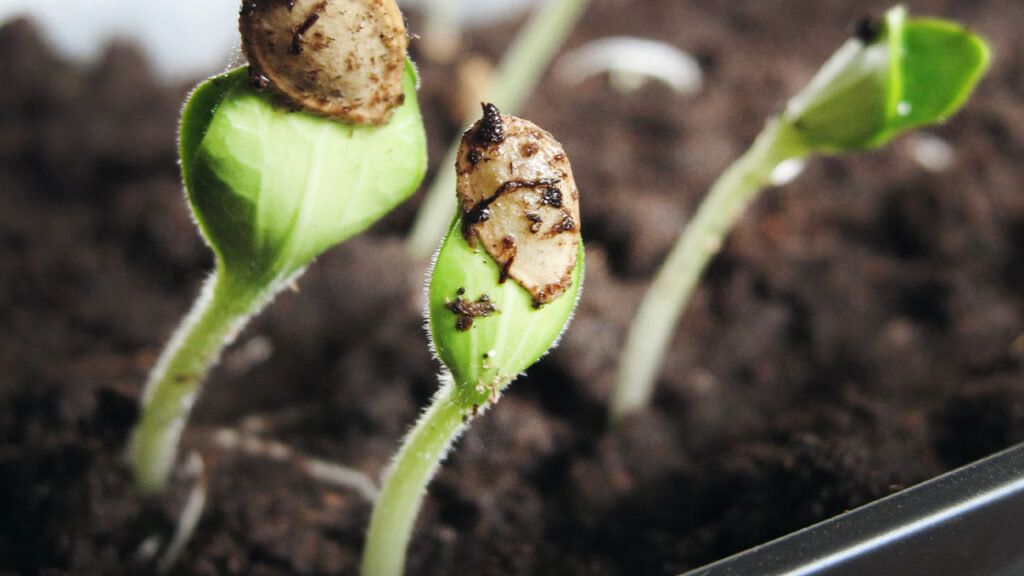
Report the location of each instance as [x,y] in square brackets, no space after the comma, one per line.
[416,73]
[629,62]
[426,305]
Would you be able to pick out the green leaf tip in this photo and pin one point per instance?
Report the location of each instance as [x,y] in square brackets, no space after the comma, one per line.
[272,187]
[913,72]
[485,331]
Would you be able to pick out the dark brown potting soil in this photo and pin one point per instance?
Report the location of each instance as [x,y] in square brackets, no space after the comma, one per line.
[862,330]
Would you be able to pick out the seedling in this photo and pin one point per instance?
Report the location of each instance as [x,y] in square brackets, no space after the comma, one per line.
[503,287]
[273,185]
[892,76]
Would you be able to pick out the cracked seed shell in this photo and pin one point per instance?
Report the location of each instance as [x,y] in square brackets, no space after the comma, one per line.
[519,200]
[340,58]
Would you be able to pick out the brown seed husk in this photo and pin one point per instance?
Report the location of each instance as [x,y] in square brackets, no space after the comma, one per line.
[519,199]
[341,58]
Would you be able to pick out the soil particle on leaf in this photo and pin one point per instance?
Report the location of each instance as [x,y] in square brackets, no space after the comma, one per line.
[467,310]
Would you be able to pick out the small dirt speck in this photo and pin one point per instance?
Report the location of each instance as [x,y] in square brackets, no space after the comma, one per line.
[867,29]
[466,311]
[551,196]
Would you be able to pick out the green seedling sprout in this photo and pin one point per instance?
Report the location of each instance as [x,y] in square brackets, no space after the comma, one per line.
[892,76]
[503,287]
[271,187]
[520,70]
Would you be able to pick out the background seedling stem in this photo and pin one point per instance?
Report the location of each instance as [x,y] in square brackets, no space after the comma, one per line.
[651,331]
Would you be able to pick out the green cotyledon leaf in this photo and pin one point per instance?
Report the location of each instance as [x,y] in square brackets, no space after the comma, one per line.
[496,346]
[273,187]
[904,74]
[940,63]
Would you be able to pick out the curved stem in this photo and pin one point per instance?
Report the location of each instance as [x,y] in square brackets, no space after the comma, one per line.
[219,313]
[415,464]
[652,329]
[520,69]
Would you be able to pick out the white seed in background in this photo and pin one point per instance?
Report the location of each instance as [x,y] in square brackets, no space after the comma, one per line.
[342,58]
[629,62]
[519,199]
[931,152]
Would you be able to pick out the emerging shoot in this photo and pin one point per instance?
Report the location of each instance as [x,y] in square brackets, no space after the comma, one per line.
[271,188]
[503,287]
[891,76]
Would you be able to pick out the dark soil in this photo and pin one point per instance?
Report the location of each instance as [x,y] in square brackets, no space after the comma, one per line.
[862,331]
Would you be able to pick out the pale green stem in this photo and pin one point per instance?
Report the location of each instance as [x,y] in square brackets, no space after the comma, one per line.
[415,464]
[515,79]
[442,29]
[652,328]
[219,313]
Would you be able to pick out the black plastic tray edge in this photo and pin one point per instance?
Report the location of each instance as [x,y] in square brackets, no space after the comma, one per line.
[968,522]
